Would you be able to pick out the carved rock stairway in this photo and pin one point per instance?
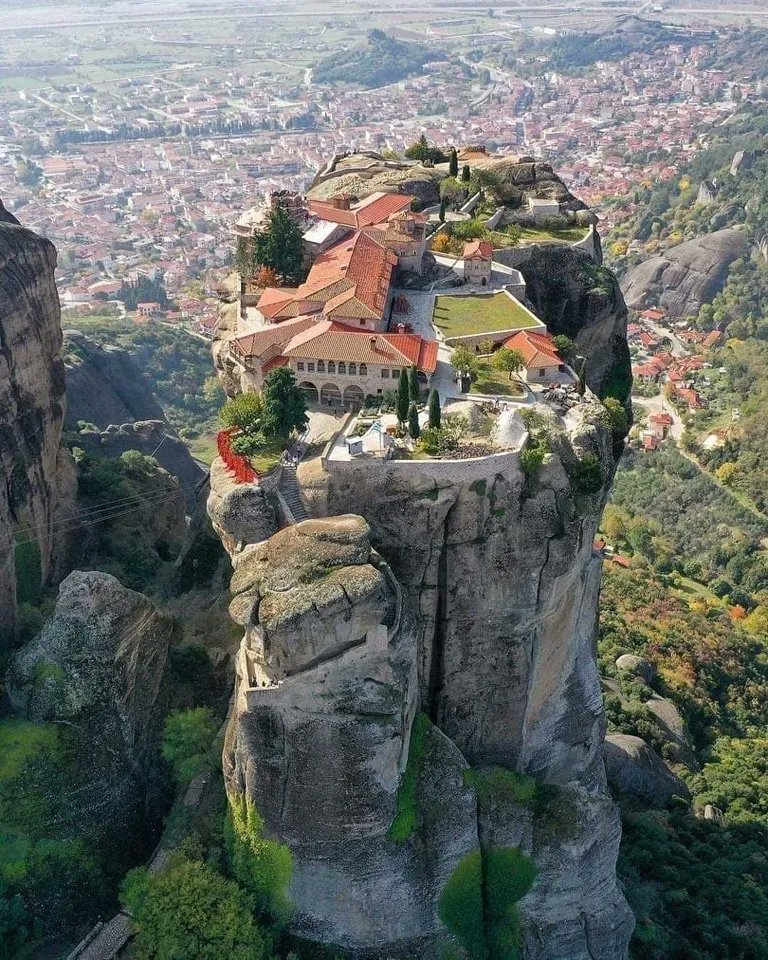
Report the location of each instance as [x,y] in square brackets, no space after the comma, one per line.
[289,488]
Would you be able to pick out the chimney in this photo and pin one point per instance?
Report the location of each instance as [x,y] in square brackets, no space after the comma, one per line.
[341,202]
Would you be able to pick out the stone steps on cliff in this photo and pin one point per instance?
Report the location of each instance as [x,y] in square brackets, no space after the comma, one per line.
[289,488]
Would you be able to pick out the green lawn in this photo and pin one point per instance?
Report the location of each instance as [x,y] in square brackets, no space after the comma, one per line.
[484,313]
[203,448]
[268,456]
[534,235]
[492,382]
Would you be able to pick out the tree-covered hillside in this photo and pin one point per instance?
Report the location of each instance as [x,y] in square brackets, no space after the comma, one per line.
[698,887]
[382,60]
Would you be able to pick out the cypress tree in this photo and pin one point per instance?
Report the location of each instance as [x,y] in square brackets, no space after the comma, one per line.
[413,422]
[434,410]
[453,163]
[465,174]
[413,384]
[403,397]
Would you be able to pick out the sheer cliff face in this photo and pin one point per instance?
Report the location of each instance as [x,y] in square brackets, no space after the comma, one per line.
[39,481]
[463,594]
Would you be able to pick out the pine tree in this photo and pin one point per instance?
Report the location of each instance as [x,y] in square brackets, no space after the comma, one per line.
[280,245]
[466,175]
[434,410]
[413,384]
[453,163]
[403,397]
[413,422]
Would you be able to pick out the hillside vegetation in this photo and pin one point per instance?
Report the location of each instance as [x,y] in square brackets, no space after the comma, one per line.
[382,60]
[699,888]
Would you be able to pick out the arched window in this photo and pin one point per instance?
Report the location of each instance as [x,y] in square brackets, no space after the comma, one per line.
[353,369]
[342,368]
[331,367]
[321,366]
[363,370]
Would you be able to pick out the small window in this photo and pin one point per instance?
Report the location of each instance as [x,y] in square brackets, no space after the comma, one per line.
[299,364]
[385,374]
[363,370]
[362,321]
[396,374]
[542,372]
[342,368]
[331,367]
[311,367]
[321,366]
[353,369]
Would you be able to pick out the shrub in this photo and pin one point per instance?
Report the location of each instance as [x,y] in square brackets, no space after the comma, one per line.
[261,866]
[187,736]
[587,474]
[191,910]
[532,458]
[244,412]
[479,902]
[461,905]
[434,410]
[413,422]
[616,416]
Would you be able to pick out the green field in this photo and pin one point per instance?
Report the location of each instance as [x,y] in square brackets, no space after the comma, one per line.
[484,313]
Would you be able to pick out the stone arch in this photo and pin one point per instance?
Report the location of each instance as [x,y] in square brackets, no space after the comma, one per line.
[330,394]
[353,396]
[310,391]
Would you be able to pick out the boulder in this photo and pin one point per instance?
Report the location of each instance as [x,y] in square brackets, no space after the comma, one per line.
[99,666]
[637,666]
[635,768]
[685,277]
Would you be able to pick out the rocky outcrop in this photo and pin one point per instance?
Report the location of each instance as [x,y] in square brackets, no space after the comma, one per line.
[328,682]
[154,439]
[575,297]
[99,667]
[240,513]
[685,277]
[498,591]
[104,384]
[36,500]
[106,388]
[635,768]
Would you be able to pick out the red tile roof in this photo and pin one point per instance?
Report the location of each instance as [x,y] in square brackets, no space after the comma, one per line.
[478,250]
[349,280]
[376,208]
[255,344]
[537,348]
[332,341]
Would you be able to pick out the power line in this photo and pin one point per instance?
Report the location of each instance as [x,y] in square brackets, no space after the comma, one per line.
[91,522]
[122,501]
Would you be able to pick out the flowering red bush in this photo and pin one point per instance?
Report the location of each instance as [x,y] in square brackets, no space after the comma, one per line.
[237,464]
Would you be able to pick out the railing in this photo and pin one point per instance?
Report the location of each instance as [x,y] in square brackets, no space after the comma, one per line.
[234,462]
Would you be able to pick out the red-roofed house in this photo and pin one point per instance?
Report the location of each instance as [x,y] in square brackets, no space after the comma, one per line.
[652,314]
[712,339]
[543,363]
[478,255]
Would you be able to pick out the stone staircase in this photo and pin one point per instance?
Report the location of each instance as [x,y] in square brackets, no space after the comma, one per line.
[289,488]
